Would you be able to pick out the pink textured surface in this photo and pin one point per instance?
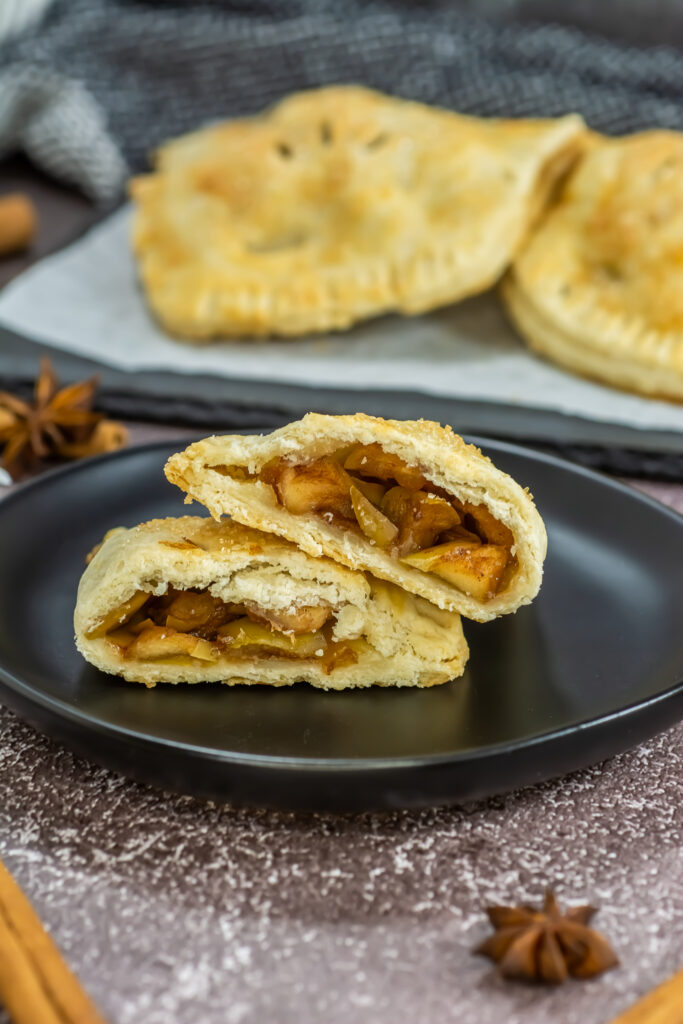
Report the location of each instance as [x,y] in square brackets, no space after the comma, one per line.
[172,910]
[176,911]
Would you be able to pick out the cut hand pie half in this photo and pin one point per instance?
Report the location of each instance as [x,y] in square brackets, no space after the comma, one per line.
[599,287]
[410,502]
[336,205]
[192,600]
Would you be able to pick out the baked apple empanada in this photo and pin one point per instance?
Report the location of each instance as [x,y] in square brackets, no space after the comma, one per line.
[336,205]
[599,287]
[192,600]
[410,502]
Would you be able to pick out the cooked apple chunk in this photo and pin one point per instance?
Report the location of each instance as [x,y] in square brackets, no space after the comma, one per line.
[158,642]
[474,568]
[245,633]
[306,619]
[319,486]
[460,533]
[487,526]
[421,517]
[376,527]
[373,491]
[341,655]
[134,627]
[371,460]
[122,638]
[396,504]
[429,517]
[189,610]
[119,616]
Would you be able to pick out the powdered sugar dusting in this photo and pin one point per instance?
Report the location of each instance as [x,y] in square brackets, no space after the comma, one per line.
[175,910]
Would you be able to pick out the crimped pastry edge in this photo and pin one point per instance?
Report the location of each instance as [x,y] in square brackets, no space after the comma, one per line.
[599,355]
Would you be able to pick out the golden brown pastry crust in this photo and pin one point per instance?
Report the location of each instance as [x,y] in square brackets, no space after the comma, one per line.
[599,287]
[336,205]
[408,641]
[443,457]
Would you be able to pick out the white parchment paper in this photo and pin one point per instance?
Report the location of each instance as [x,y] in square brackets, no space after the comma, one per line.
[86,299]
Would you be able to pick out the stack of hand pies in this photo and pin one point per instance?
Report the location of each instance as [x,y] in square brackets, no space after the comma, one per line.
[343,551]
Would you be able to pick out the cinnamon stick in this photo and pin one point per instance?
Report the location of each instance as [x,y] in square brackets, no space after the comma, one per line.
[663,1005]
[18,221]
[35,983]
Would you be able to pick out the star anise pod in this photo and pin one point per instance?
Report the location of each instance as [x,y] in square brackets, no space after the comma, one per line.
[546,945]
[58,422]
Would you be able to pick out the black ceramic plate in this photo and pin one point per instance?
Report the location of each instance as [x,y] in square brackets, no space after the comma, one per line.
[592,667]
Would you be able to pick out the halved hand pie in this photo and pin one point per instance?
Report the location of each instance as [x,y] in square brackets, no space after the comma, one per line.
[336,205]
[408,501]
[192,600]
[599,287]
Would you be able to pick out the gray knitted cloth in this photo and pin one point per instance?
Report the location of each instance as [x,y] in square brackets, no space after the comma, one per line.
[90,91]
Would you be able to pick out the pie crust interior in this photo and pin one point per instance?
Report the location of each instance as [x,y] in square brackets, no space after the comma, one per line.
[193,600]
[408,501]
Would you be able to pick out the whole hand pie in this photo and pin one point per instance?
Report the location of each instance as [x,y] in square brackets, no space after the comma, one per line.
[336,205]
[410,502]
[192,600]
[599,287]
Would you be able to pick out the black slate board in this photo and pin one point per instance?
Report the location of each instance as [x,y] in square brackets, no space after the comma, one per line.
[219,403]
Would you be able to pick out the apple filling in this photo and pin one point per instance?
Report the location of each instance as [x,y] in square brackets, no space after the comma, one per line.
[195,625]
[364,488]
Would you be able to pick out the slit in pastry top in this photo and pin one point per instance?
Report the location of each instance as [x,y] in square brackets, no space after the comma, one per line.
[336,205]
[408,501]
[192,600]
